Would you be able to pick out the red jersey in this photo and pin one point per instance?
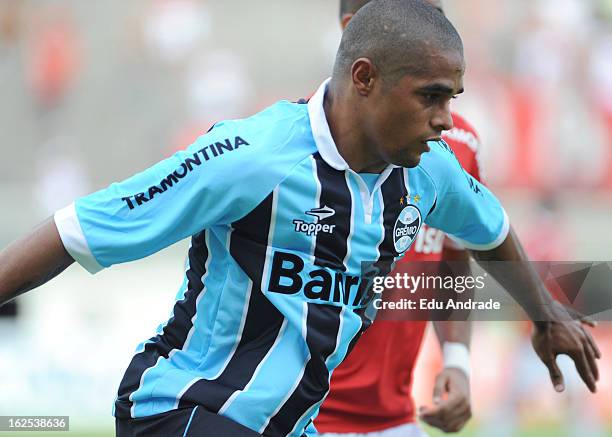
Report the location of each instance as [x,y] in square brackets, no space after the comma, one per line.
[372,389]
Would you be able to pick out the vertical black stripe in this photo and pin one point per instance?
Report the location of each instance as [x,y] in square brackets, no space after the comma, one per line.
[248,247]
[331,248]
[174,333]
[323,323]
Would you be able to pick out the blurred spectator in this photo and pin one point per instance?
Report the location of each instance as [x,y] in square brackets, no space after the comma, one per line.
[605,8]
[10,22]
[600,89]
[548,55]
[217,87]
[53,56]
[527,77]
[173,29]
[11,32]
[61,175]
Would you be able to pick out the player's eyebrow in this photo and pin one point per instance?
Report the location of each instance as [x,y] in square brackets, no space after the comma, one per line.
[438,88]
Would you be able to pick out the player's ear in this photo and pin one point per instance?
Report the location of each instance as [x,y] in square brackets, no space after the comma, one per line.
[344,20]
[364,75]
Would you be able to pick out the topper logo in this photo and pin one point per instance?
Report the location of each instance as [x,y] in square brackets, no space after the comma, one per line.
[319,214]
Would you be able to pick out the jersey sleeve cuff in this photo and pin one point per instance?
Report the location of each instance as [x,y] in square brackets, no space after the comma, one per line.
[501,237]
[69,228]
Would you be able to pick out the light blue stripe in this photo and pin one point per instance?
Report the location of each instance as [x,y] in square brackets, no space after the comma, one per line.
[229,317]
[297,193]
[278,375]
[190,419]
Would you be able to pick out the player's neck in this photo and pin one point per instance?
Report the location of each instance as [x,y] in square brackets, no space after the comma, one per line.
[347,133]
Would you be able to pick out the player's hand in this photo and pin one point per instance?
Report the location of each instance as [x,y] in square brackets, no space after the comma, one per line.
[567,337]
[451,398]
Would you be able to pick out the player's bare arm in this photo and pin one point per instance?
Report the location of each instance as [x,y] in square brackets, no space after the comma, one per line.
[31,261]
[555,332]
[451,408]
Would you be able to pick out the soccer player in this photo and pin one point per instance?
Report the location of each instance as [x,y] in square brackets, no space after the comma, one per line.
[371,391]
[280,220]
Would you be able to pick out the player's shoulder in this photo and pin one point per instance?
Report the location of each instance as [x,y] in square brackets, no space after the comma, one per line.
[282,113]
[278,132]
[274,125]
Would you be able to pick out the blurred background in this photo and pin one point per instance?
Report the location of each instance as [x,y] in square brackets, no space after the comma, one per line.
[92,92]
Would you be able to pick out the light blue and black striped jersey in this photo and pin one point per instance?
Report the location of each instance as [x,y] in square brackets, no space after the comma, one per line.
[273,297]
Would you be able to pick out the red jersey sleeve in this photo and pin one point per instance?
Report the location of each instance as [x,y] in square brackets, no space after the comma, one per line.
[466,144]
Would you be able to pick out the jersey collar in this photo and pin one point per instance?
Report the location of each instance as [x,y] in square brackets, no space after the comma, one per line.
[320,130]
[321,133]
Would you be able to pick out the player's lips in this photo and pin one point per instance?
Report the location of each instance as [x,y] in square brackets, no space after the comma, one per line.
[427,149]
[426,146]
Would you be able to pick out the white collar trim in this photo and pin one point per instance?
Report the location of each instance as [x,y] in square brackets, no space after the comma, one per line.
[320,130]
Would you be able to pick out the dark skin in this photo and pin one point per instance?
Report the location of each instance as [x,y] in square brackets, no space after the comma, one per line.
[451,397]
[44,255]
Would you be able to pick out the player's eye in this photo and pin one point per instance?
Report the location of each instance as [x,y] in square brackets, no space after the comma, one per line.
[433,98]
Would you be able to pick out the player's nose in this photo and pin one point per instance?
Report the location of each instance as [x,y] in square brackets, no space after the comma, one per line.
[442,120]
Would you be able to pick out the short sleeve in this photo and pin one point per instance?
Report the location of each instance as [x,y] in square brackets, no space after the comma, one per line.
[465,209]
[467,145]
[217,180]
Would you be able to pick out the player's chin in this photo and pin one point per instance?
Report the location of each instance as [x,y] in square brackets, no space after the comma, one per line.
[412,158]
[409,160]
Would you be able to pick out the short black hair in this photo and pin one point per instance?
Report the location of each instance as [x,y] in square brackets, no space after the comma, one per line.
[397,36]
[352,6]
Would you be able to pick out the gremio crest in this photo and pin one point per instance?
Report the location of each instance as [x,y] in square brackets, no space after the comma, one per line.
[406,228]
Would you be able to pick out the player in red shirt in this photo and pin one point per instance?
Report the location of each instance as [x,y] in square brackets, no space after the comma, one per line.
[371,390]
